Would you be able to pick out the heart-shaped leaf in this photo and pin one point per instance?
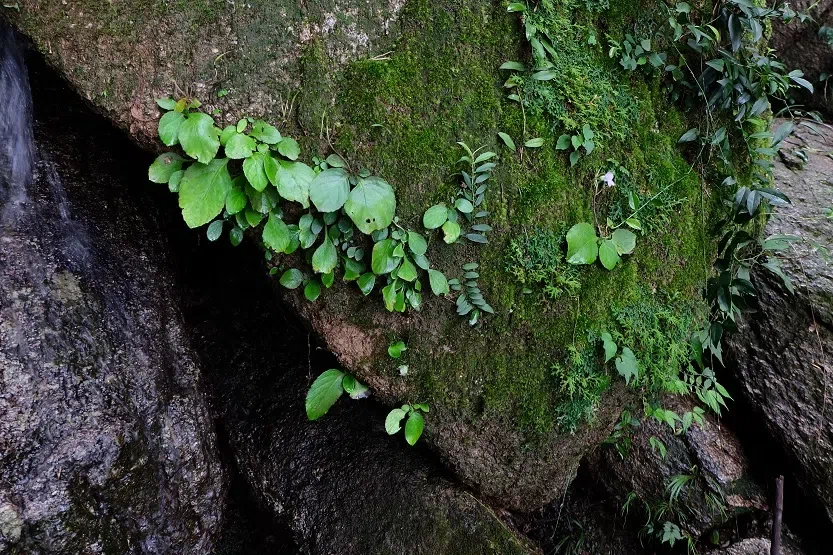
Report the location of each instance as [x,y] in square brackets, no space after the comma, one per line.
[582,244]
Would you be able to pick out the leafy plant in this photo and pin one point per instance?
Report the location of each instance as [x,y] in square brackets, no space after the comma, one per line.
[537,258]
[576,143]
[414,424]
[470,301]
[395,350]
[585,247]
[326,390]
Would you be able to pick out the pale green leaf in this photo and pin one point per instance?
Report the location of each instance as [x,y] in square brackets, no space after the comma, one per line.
[608,255]
[393,421]
[198,137]
[203,191]
[169,125]
[582,244]
[439,284]
[289,148]
[240,146]
[164,167]
[371,204]
[625,241]
[627,366]
[324,392]
[329,189]
[253,169]
[325,257]
[451,231]
[293,179]
[435,216]
[265,132]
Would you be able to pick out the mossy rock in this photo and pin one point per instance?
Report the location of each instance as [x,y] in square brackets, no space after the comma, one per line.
[501,414]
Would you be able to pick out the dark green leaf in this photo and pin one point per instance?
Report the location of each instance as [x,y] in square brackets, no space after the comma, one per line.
[164,167]
[292,278]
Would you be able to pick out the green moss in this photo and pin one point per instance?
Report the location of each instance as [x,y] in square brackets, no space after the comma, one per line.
[402,117]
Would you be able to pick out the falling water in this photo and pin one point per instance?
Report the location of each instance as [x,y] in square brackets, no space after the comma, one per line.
[16,141]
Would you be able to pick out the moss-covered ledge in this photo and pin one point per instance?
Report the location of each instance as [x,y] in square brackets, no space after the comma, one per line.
[499,414]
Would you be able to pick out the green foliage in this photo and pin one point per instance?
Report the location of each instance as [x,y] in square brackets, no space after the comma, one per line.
[395,350]
[537,259]
[470,301]
[414,424]
[576,143]
[326,390]
[585,247]
[581,381]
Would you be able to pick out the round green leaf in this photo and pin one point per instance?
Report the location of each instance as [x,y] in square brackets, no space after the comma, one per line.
[407,271]
[292,278]
[625,241]
[289,148]
[253,169]
[164,167]
[414,427]
[366,283]
[228,133]
[382,260]
[265,132]
[236,200]
[240,146]
[324,392]
[463,206]
[439,284]
[371,204]
[393,421]
[166,103]
[198,137]
[582,244]
[329,190]
[325,257]
[312,291]
[435,216]
[276,234]
[608,255]
[293,179]
[395,350]
[169,125]
[417,243]
[451,231]
[215,229]
[203,191]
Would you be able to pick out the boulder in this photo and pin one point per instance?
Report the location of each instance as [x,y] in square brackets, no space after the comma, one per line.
[801,46]
[781,357]
[392,86]
[720,487]
[106,441]
[340,483]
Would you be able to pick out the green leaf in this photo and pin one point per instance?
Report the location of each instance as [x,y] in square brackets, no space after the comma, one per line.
[574,157]
[236,200]
[393,421]
[174,181]
[228,133]
[276,234]
[265,132]
[198,138]
[215,229]
[407,271]
[240,146]
[292,179]
[262,201]
[166,103]
[366,283]
[608,255]
[203,191]
[329,189]
[451,231]
[414,427]
[512,66]
[689,135]
[435,216]
[545,75]
[534,143]
[609,346]
[464,206]
[325,257]
[335,161]
[516,7]
[253,169]
[292,278]
[439,284]
[395,350]
[324,392]
[371,204]
[169,125]
[312,291]
[328,279]
[633,223]
[582,244]
[625,241]
[289,148]
[627,366]
[382,259]
[164,167]
[417,243]
[507,140]
[563,142]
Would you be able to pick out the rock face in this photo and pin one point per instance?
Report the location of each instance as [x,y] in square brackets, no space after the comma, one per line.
[710,453]
[106,442]
[800,46]
[341,483]
[781,358]
[393,85]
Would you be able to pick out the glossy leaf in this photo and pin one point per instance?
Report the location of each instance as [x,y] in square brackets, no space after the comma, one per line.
[198,138]
[324,392]
[413,427]
[371,204]
[164,167]
[582,244]
[203,191]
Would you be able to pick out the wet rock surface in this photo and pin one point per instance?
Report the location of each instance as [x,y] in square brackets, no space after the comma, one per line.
[341,483]
[781,357]
[106,440]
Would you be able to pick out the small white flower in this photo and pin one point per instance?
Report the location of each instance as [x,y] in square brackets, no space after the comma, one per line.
[608,179]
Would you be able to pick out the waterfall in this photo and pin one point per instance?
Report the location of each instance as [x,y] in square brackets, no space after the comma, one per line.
[16,137]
